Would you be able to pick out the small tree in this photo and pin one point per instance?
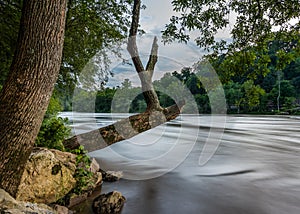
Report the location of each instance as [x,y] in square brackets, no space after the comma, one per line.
[252,95]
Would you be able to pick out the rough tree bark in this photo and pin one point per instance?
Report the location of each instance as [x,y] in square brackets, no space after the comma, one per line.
[126,128]
[28,88]
[123,129]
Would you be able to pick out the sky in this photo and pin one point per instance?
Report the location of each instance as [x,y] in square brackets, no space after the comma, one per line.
[156,15]
[171,57]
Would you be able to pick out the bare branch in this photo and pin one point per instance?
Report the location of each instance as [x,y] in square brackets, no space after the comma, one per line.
[153,57]
[131,46]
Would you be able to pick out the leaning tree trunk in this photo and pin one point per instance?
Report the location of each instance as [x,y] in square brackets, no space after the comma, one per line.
[126,128]
[27,91]
[122,129]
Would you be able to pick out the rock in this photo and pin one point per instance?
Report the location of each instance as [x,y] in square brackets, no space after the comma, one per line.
[61,209]
[97,175]
[94,168]
[9,205]
[112,202]
[5,198]
[67,158]
[94,185]
[98,178]
[111,176]
[77,199]
[48,176]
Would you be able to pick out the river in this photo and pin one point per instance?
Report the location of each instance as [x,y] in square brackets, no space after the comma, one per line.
[254,170]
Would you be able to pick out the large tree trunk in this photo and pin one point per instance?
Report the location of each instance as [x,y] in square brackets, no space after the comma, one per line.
[27,91]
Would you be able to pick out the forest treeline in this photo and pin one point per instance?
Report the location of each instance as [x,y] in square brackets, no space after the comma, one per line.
[260,78]
[274,91]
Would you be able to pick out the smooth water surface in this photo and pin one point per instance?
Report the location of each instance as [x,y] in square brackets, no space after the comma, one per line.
[256,168]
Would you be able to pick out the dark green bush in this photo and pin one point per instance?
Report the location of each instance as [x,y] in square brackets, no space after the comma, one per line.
[53,130]
[52,133]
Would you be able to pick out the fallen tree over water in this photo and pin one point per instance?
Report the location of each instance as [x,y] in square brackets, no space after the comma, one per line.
[123,129]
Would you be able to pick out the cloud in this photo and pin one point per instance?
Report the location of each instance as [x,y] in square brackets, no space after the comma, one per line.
[172,57]
[157,14]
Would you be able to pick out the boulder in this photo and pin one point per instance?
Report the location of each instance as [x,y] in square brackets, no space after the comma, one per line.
[94,167]
[111,202]
[94,184]
[98,178]
[48,176]
[111,176]
[61,209]
[67,158]
[9,205]
[97,175]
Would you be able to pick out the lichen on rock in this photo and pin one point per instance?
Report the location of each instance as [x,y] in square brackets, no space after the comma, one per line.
[110,203]
[48,176]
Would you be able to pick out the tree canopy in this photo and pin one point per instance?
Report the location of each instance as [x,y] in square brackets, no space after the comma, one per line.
[91,27]
[264,36]
[249,22]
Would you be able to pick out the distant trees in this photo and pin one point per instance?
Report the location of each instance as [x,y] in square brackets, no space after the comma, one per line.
[93,31]
[252,94]
[242,95]
[287,96]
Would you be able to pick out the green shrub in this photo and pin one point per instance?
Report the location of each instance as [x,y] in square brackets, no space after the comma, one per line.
[84,177]
[53,130]
[82,174]
[54,107]
[52,133]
